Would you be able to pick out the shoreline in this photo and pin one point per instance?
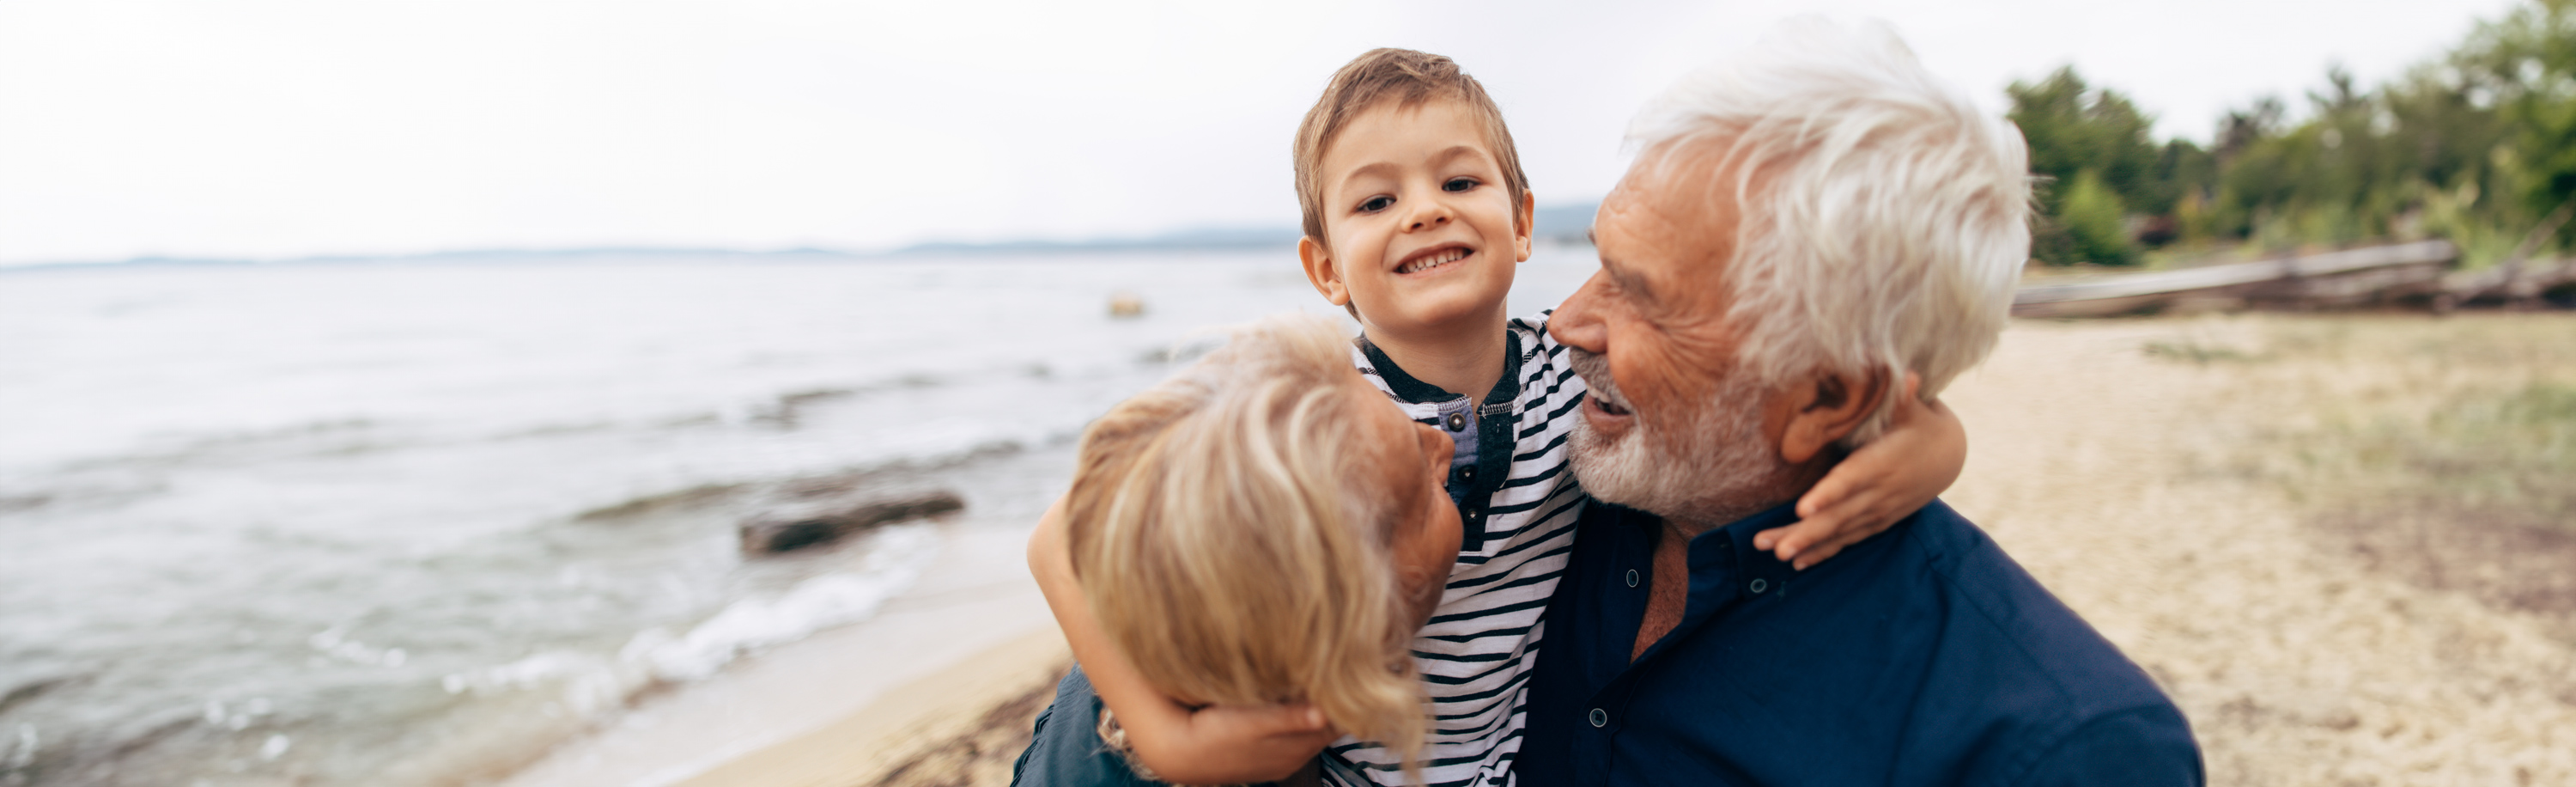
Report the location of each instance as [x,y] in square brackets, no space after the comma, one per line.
[844,697]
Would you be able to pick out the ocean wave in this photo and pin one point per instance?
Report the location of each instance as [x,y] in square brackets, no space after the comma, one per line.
[938,451]
[328,436]
[594,684]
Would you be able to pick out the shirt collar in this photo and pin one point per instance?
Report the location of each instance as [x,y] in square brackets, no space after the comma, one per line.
[1731,546]
[1725,568]
[1409,389]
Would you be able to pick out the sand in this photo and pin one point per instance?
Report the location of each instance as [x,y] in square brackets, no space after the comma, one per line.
[2118,476]
[2114,475]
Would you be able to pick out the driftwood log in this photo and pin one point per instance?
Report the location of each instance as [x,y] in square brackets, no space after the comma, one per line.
[2413,273]
[797,527]
[2514,283]
[2343,278]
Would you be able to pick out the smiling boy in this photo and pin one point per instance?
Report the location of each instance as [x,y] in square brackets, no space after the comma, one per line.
[1417,214]
[1414,222]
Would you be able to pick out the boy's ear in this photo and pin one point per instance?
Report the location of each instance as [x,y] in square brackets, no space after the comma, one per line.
[1326,276]
[1528,225]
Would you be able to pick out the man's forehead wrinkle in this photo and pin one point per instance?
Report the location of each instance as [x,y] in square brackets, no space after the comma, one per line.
[1615,262]
[1697,236]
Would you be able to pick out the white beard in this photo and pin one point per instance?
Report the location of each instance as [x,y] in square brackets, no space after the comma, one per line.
[1709,466]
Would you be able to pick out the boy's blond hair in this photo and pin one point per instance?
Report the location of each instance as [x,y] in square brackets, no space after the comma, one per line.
[1234,540]
[1410,79]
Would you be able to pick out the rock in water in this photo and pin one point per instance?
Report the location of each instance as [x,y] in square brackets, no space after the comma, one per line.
[1126,304]
[781,531]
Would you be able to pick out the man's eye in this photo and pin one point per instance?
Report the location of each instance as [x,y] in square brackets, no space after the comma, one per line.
[1459,184]
[1375,204]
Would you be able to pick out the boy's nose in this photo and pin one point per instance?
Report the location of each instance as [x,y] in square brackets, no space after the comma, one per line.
[1428,214]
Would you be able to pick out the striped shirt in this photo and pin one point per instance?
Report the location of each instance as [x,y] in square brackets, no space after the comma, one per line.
[1518,502]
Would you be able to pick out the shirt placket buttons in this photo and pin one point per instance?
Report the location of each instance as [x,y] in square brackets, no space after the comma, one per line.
[1632,577]
[1600,718]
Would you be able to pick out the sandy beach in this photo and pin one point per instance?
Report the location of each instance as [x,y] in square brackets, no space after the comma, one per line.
[2146,470]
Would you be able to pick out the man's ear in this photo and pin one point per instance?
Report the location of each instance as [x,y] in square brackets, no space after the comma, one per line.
[1321,272]
[1527,225]
[1827,409]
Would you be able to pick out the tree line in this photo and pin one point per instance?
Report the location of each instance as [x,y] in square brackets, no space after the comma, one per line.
[2477,146]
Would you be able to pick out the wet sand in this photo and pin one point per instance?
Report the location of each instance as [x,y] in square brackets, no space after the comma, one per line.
[2128,479]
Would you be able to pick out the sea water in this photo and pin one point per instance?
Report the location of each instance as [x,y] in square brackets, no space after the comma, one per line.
[414,523]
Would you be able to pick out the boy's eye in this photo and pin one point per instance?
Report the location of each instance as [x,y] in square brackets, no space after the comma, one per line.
[1459,184]
[1375,204]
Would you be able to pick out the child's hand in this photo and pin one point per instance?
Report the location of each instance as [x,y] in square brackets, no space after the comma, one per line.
[1886,480]
[1223,744]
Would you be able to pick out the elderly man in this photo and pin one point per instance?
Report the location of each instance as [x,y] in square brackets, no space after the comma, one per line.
[1803,227]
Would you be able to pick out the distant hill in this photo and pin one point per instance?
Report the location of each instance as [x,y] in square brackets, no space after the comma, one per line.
[1234,238]
[1565,223]
[462,256]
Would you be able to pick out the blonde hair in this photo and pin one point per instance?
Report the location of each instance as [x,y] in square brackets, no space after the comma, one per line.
[1236,545]
[1884,217]
[1410,79]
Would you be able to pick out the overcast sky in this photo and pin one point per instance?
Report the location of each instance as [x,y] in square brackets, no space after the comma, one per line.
[280,128]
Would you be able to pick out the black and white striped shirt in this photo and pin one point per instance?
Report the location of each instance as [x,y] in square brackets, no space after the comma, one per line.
[1518,503]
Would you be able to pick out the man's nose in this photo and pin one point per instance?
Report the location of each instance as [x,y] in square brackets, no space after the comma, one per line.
[1577,322]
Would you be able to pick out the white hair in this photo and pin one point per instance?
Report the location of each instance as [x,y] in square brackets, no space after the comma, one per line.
[1884,219]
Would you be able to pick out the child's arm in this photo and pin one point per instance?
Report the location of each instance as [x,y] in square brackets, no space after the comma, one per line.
[1886,480]
[1210,745]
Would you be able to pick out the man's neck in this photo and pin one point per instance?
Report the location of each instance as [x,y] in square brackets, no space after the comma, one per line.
[1790,484]
[1464,362]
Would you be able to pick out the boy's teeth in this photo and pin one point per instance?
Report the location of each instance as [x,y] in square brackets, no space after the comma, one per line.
[1428,263]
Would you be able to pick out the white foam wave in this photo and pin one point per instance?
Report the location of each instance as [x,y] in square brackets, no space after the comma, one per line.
[592,684]
[892,562]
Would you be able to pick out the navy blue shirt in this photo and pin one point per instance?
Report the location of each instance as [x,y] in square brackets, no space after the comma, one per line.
[1920,656]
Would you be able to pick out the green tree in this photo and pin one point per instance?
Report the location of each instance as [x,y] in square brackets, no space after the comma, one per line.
[2524,66]
[2426,155]
[2478,147]
[2074,129]
[2095,222]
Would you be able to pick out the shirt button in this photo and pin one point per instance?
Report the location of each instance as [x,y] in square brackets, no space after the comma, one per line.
[1600,717]
[1468,472]
[1632,577]
[1457,422]
[1758,585]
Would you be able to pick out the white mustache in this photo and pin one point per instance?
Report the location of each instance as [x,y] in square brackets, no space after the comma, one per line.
[1594,368]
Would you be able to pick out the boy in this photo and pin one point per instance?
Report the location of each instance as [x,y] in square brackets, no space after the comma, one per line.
[1415,212]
